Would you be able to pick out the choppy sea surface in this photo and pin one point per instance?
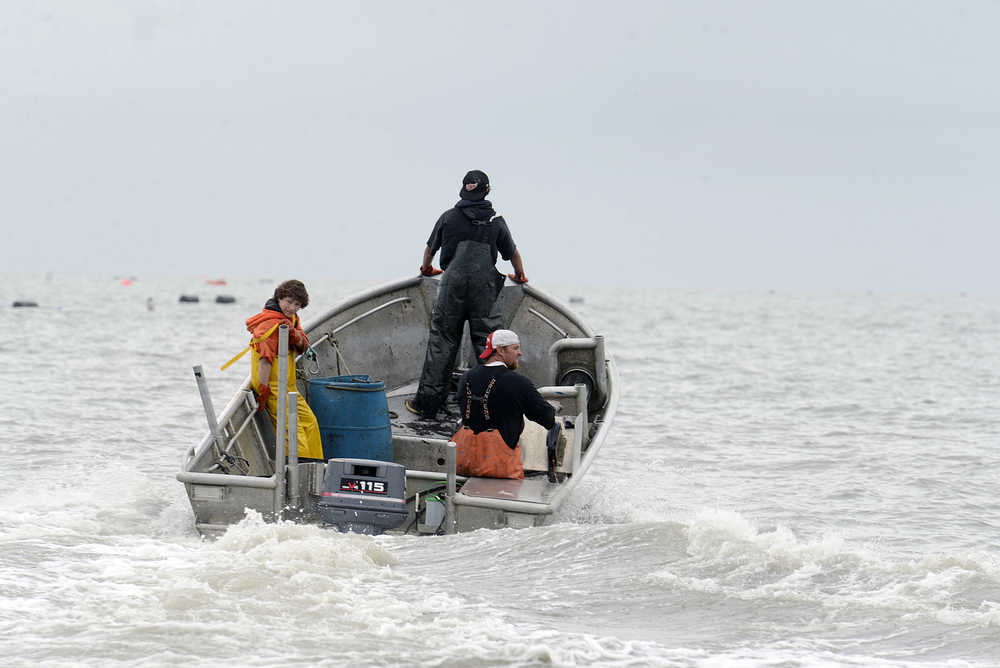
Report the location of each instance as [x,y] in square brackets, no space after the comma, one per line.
[792,480]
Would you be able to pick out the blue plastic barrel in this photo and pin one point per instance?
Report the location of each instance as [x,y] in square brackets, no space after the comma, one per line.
[353,417]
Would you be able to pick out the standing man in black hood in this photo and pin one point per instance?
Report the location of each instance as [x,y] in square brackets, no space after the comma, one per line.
[469,236]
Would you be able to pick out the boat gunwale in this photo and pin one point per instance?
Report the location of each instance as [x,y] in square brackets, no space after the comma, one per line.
[402,283]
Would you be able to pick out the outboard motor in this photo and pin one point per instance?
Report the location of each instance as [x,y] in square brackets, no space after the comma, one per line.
[363,495]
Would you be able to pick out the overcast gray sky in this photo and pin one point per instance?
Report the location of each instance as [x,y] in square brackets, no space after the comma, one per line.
[787,145]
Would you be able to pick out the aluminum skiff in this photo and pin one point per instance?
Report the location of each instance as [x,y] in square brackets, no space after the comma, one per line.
[383,333]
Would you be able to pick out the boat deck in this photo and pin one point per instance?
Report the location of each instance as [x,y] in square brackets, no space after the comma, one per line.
[405,423]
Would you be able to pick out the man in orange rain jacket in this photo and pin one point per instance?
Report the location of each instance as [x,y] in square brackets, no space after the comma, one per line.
[281,309]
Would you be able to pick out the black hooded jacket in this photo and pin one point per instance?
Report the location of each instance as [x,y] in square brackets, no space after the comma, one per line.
[475,221]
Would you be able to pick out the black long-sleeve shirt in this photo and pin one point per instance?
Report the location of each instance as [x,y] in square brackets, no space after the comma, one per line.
[512,398]
[471,221]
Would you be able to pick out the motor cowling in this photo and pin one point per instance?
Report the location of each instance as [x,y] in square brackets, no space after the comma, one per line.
[363,495]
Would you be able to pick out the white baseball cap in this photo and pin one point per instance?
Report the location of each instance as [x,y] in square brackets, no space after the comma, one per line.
[500,337]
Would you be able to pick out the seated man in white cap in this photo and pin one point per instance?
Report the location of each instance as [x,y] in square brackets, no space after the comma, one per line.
[494,400]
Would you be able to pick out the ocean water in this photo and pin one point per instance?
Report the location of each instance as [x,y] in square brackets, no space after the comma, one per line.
[792,480]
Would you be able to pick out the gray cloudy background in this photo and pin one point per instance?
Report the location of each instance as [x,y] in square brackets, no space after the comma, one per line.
[786,145]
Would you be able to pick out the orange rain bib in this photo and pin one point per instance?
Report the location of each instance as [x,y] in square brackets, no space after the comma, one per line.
[486,455]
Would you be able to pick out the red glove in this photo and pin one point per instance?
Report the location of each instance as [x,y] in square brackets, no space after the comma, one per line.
[297,341]
[263,392]
[429,270]
[518,279]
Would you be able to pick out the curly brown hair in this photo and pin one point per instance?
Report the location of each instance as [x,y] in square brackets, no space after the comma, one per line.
[294,289]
